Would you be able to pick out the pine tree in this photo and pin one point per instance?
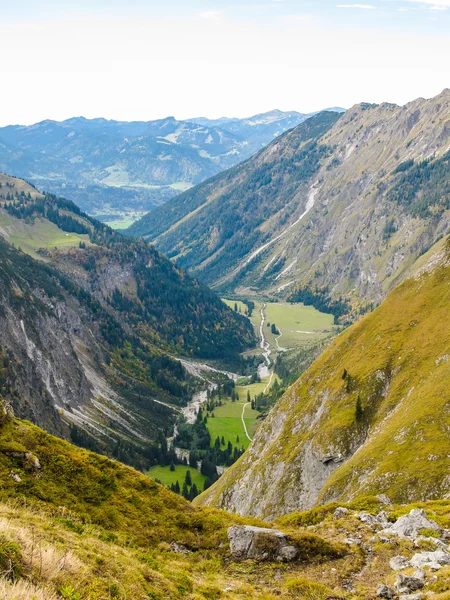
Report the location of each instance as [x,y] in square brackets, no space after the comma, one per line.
[188,478]
[222,441]
[172,466]
[177,487]
[192,460]
[185,491]
[248,396]
[194,492]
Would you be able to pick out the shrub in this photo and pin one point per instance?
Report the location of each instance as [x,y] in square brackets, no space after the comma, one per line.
[307,590]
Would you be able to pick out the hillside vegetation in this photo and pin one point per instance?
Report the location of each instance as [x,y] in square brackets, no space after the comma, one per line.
[77,526]
[341,206]
[370,415]
[91,322]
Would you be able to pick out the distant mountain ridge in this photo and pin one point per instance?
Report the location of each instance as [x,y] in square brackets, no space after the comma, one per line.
[112,167]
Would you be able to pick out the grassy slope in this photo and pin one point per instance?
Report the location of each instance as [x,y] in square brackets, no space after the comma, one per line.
[397,358]
[91,528]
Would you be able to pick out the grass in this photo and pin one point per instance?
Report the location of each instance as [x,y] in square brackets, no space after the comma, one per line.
[181,186]
[29,237]
[227,421]
[86,527]
[167,477]
[301,326]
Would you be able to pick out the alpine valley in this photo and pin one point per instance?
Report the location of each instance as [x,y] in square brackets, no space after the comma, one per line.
[286,439]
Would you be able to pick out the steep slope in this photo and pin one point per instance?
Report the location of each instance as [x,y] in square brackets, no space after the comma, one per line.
[89,160]
[370,416]
[90,330]
[76,525]
[347,208]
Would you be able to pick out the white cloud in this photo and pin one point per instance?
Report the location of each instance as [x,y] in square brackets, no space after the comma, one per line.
[360,6]
[433,4]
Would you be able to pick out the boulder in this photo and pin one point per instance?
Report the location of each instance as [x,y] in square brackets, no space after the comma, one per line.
[405,584]
[397,563]
[340,512]
[258,543]
[410,597]
[384,499]
[435,560]
[383,591]
[410,525]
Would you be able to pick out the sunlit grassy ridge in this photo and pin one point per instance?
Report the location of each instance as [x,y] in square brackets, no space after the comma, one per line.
[394,439]
[78,525]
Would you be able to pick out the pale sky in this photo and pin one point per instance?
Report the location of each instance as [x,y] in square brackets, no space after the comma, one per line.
[147,59]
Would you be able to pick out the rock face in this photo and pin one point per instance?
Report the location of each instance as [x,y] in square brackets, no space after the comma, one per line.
[6,412]
[260,544]
[409,526]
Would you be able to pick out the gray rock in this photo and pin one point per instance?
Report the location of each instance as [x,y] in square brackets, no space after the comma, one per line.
[409,525]
[411,597]
[419,574]
[260,544]
[369,519]
[353,541]
[384,499]
[397,563]
[383,591]
[435,560]
[6,412]
[15,477]
[179,548]
[405,584]
[340,512]
[431,540]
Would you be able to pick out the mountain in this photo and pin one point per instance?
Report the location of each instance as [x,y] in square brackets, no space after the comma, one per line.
[116,168]
[369,417]
[342,205]
[92,322]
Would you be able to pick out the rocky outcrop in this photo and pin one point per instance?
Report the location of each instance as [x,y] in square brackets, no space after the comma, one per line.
[260,544]
[6,412]
[435,560]
[409,526]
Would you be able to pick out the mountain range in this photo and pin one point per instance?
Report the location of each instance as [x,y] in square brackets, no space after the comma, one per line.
[111,168]
[92,322]
[342,205]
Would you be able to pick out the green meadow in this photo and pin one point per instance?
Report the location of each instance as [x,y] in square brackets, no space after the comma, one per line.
[167,477]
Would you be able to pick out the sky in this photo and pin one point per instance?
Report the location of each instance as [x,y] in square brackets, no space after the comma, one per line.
[148,59]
